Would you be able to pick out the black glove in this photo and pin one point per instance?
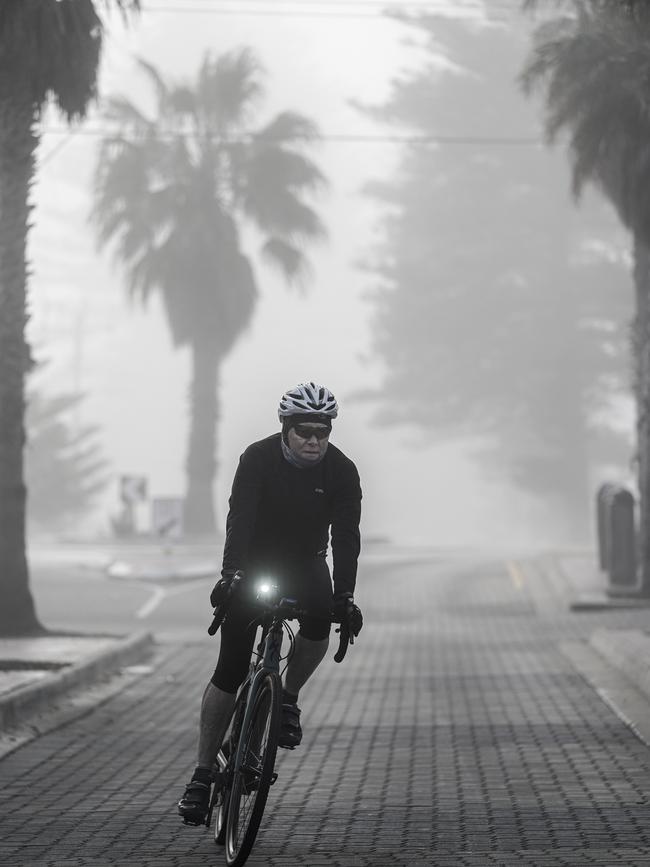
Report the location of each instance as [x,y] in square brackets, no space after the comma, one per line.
[221,590]
[346,612]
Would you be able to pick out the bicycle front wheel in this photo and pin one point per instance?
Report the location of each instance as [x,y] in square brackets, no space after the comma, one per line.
[225,758]
[253,772]
[221,796]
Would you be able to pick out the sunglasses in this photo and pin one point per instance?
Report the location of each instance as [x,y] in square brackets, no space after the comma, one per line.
[306,431]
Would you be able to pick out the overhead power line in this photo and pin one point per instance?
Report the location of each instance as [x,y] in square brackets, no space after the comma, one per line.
[262,13]
[343,138]
[57,147]
[376,10]
[382,4]
[294,6]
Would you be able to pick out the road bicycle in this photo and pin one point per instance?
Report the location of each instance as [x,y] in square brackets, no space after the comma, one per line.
[245,765]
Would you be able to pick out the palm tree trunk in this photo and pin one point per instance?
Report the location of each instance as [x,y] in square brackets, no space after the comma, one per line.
[201,465]
[641,353]
[17,145]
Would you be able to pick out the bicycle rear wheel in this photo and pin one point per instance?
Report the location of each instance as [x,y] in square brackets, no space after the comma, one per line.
[253,773]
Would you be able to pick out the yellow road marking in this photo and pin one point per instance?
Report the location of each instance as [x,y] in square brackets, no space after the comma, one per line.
[516,574]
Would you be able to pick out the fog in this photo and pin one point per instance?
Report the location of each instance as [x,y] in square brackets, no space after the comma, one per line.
[417,488]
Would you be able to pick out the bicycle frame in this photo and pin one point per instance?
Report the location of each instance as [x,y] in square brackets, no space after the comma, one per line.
[271,641]
[269,650]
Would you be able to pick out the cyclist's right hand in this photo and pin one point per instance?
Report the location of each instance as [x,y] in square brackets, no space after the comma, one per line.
[344,611]
[221,590]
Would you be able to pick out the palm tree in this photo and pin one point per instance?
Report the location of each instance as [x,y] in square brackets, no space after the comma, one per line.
[173,192]
[594,63]
[49,51]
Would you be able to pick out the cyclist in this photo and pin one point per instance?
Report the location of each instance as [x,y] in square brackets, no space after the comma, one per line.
[290,491]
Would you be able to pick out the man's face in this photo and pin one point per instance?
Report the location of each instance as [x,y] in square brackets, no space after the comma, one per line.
[303,440]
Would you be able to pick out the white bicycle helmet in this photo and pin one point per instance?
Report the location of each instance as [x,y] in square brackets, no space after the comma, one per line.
[308,398]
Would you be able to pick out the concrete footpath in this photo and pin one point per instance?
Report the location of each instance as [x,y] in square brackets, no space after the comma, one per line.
[479,720]
[571,581]
[46,680]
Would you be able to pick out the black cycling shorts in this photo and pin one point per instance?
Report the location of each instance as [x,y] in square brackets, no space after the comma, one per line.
[309,582]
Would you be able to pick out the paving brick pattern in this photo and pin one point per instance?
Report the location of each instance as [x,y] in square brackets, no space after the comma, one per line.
[456,734]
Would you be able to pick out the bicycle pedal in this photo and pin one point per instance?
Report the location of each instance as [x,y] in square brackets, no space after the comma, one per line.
[274,777]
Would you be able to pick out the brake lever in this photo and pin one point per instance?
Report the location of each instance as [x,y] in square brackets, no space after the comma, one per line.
[217,620]
[344,641]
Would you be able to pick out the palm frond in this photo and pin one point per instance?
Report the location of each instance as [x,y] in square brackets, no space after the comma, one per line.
[289,259]
[41,411]
[634,8]
[271,183]
[289,126]
[552,41]
[280,212]
[182,101]
[157,82]
[143,275]
[601,138]
[593,69]
[55,47]
[228,89]
[119,110]
[124,6]
[272,168]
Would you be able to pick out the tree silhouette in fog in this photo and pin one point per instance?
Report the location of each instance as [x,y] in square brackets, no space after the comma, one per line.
[49,52]
[593,63]
[173,192]
[65,468]
[495,317]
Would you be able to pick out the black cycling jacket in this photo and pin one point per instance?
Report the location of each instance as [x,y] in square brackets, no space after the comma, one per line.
[280,514]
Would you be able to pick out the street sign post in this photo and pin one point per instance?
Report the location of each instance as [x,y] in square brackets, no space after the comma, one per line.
[132,492]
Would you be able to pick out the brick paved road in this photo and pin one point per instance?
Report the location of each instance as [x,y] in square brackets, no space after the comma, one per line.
[457,733]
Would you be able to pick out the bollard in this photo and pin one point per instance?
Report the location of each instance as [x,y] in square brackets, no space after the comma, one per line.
[620,541]
[602,525]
